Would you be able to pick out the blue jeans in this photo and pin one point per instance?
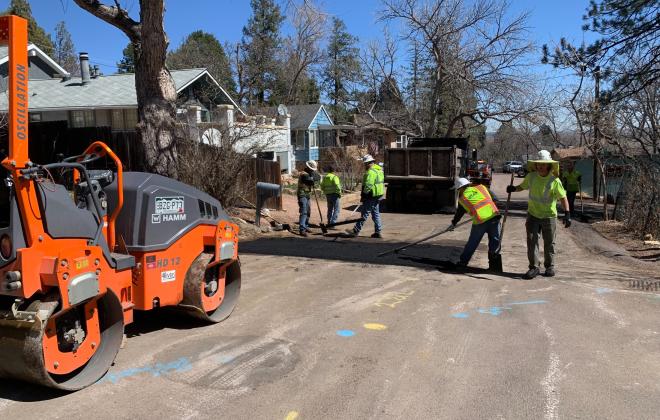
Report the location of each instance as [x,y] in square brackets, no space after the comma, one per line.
[333,207]
[370,206]
[492,228]
[305,211]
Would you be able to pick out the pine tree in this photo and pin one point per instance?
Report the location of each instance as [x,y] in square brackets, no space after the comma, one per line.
[202,49]
[36,34]
[64,51]
[260,42]
[342,67]
[127,62]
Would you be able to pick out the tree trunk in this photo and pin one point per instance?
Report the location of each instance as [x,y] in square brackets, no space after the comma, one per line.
[156,92]
[154,86]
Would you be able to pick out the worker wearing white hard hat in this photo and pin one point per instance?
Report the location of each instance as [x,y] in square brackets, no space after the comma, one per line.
[545,189]
[479,202]
[373,189]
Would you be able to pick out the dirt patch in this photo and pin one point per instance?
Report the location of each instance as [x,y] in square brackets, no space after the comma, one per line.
[636,247]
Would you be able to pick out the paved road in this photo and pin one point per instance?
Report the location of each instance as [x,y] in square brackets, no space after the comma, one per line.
[325,329]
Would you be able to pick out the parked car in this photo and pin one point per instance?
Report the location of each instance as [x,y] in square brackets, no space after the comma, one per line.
[512,166]
[522,171]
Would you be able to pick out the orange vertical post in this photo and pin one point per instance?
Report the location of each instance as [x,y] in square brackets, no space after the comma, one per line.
[14,33]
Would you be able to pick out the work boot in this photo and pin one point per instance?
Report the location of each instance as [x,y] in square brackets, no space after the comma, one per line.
[303,233]
[549,272]
[461,266]
[533,272]
[377,235]
[351,233]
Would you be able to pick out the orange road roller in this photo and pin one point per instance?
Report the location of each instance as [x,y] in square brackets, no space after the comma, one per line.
[84,244]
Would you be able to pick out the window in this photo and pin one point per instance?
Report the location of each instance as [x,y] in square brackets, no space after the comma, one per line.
[117,119]
[313,139]
[299,139]
[82,119]
[402,141]
[35,116]
[130,119]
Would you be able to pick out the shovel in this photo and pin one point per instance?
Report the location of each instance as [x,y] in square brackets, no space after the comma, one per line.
[318,206]
[495,261]
[401,248]
[583,218]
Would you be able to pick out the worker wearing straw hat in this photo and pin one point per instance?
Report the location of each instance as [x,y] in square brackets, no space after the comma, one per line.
[545,188]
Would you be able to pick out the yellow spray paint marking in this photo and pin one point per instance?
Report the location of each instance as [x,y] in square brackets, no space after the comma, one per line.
[392,299]
[374,326]
[293,415]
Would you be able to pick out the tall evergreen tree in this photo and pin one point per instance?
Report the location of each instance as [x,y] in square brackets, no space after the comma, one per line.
[36,34]
[64,51]
[342,67]
[127,62]
[261,37]
[202,49]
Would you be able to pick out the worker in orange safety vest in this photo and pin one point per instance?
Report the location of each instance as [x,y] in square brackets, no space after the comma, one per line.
[479,202]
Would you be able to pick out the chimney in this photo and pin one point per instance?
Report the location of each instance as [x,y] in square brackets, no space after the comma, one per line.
[84,68]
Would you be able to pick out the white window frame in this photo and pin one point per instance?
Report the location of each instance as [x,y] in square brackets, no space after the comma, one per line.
[299,141]
[88,118]
[313,139]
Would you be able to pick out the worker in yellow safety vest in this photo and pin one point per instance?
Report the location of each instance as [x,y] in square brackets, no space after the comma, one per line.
[331,187]
[545,189]
[373,189]
[479,202]
[572,180]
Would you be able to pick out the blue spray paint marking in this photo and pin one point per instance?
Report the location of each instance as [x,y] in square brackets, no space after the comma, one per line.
[345,333]
[529,302]
[602,290]
[497,310]
[158,369]
[493,310]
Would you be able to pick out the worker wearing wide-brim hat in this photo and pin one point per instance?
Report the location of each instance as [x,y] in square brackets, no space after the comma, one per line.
[305,184]
[373,188]
[545,188]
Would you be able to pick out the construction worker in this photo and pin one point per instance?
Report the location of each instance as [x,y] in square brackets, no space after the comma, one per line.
[572,180]
[373,188]
[305,184]
[545,189]
[479,202]
[331,187]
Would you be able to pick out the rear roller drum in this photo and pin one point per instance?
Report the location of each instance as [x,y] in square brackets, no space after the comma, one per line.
[211,293]
[67,351]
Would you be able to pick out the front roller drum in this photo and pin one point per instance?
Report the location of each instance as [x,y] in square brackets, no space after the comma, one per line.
[69,350]
[211,293]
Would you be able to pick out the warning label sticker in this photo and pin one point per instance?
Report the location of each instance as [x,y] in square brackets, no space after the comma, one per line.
[168,276]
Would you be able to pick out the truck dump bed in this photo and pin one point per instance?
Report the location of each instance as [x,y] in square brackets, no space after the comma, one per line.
[419,178]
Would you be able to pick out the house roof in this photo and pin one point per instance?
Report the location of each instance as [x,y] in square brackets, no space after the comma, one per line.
[570,153]
[113,91]
[33,49]
[302,116]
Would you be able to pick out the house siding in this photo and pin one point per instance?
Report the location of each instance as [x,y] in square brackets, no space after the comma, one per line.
[321,118]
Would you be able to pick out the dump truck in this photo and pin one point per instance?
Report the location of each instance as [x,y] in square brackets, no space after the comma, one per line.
[419,177]
[83,245]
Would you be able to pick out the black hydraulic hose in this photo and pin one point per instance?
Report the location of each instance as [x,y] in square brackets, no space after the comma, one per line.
[83,170]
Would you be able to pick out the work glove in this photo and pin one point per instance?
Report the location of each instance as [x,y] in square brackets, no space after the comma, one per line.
[451,227]
[510,189]
[567,219]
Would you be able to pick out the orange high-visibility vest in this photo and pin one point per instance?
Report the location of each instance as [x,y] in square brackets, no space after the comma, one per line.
[478,203]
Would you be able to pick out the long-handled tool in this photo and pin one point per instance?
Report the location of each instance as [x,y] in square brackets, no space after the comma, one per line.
[355,209]
[419,241]
[583,218]
[318,206]
[495,261]
[324,228]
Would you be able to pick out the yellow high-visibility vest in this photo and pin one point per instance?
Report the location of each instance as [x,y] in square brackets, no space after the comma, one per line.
[476,200]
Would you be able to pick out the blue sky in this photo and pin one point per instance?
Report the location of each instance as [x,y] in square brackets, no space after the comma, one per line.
[549,20]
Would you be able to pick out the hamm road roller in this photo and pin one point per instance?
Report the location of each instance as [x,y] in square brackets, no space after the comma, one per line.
[84,244]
